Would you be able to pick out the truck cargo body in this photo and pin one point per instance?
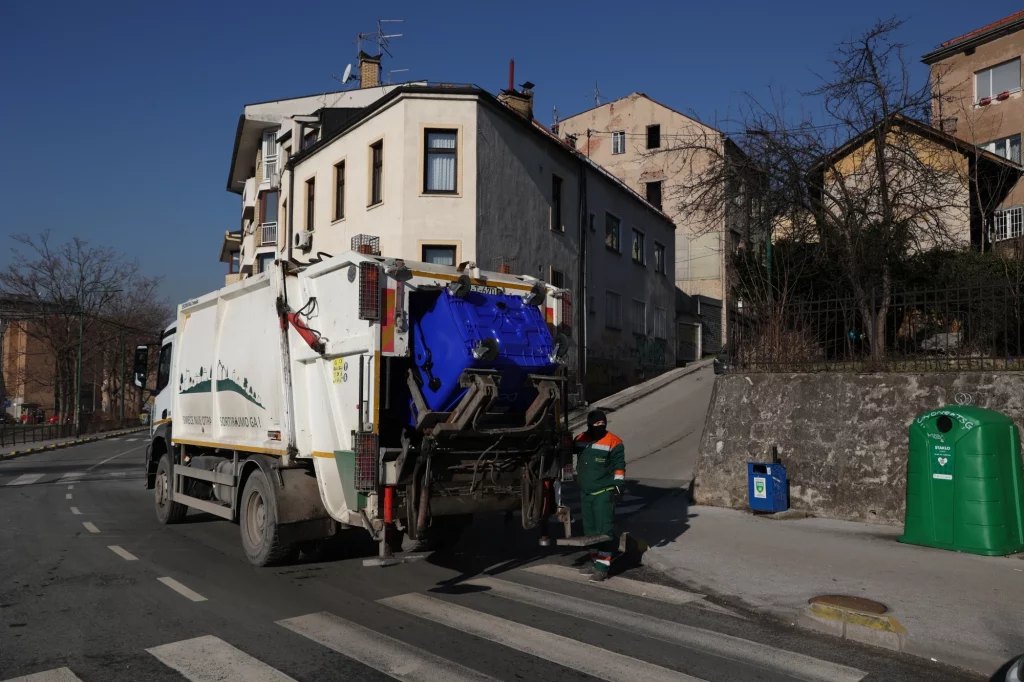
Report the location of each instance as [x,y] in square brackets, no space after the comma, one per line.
[360,391]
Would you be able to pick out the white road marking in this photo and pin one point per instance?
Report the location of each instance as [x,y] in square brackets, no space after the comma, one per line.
[56,675]
[90,527]
[380,652]
[130,440]
[26,479]
[113,457]
[71,476]
[74,510]
[586,658]
[71,487]
[123,553]
[754,654]
[181,589]
[210,659]
[67,496]
[634,588]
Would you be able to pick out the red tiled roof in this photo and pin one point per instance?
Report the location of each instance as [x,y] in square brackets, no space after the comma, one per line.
[984,29]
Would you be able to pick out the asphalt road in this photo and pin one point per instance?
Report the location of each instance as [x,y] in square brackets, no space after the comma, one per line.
[92,588]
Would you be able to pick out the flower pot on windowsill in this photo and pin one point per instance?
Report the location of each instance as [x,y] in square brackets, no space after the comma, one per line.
[984,101]
[1005,94]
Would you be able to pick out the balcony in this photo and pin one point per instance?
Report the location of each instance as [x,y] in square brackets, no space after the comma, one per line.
[249,198]
[268,234]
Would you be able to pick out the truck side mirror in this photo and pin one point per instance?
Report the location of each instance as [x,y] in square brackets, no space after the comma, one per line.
[140,367]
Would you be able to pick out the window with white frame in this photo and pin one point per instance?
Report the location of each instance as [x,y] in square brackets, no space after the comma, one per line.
[619,142]
[1008,224]
[660,323]
[612,310]
[1007,147]
[638,319]
[995,80]
[440,161]
[269,154]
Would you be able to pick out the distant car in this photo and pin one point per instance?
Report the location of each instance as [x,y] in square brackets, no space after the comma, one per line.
[55,419]
[1016,671]
[723,363]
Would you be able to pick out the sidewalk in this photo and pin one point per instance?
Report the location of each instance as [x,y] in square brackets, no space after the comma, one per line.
[616,401]
[22,449]
[960,609]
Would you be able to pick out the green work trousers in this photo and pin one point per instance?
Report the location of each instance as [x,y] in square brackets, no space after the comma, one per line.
[598,519]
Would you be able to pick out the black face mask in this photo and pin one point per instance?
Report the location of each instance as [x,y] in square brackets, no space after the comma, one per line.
[597,432]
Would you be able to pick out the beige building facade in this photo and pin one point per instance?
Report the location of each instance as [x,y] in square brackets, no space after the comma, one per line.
[641,142]
[976,80]
[450,174]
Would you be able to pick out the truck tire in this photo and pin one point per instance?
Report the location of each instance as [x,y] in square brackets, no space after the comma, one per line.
[257,520]
[167,511]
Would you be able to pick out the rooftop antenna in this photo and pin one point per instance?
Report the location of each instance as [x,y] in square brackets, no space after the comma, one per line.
[382,39]
[597,95]
[394,71]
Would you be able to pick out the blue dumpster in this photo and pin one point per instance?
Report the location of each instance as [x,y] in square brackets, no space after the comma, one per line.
[766,487]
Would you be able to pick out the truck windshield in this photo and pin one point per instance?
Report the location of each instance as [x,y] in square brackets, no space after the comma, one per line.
[163,372]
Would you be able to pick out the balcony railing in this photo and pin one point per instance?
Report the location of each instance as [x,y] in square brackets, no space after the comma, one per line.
[268,234]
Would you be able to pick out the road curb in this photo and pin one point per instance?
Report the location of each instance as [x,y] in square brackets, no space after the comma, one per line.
[629,395]
[14,454]
[864,628]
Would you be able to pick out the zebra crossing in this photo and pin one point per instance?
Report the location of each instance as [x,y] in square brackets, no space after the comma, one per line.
[483,613]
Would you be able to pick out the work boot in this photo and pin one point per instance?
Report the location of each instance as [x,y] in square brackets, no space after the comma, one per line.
[587,569]
[599,577]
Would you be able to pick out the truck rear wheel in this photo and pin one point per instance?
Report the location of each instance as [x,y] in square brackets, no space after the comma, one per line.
[167,511]
[257,519]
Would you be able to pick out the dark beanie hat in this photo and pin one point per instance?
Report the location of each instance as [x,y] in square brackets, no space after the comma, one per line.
[596,416]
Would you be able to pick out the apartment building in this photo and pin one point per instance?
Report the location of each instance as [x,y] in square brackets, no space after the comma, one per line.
[449,174]
[640,141]
[976,78]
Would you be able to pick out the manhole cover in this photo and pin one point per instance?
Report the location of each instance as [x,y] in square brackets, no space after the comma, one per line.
[846,602]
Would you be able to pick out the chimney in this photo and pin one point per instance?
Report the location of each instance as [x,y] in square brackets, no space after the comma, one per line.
[519,101]
[369,70]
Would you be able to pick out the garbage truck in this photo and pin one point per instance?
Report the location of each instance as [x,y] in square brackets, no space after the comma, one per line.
[361,391]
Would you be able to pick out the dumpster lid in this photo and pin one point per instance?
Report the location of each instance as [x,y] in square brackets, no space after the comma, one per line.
[967,416]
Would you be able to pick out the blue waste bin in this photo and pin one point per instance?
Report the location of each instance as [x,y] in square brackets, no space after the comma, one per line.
[766,487]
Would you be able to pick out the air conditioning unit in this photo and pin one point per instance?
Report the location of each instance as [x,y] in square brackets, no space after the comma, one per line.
[303,240]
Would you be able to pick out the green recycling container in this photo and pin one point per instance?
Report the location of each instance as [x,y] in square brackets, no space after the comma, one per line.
[965,487]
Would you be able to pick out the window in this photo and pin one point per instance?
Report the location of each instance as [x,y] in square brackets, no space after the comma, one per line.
[163,368]
[440,161]
[1008,224]
[996,80]
[660,323]
[439,255]
[1007,147]
[310,203]
[264,261]
[659,258]
[638,320]
[233,264]
[653,136]
[268,218]
[339,190]
[654,194]
[309,139]
[611,232]
[556,204]
[948,125]
[639,247]
[269,154]
[557,279]
[612,310]
[376,172]
[619,142]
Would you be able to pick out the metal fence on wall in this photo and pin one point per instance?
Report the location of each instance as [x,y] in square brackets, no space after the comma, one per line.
[972,327]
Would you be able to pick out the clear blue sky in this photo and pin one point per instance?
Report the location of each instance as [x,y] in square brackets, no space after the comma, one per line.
[120,116]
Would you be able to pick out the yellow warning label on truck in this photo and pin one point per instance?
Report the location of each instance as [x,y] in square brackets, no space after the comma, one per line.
[339,369]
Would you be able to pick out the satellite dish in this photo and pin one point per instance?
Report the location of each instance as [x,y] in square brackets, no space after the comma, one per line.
[348,74]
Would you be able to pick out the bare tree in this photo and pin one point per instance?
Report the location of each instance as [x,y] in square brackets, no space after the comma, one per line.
[88,293]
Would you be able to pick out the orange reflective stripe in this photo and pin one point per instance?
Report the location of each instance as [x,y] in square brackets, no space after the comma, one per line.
[611,440]
[620,472]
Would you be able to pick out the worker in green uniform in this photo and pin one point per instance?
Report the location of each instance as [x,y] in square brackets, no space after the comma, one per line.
[601,468]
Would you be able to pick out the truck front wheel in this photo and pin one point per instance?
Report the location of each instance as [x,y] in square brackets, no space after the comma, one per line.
[167,511]
[257,519]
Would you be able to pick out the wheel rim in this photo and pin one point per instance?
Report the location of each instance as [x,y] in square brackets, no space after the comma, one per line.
[161,489]
[255,518]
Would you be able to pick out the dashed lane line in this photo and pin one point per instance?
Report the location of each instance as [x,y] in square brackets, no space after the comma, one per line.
[90,527]
[74,510]
[123,553]
[181,589]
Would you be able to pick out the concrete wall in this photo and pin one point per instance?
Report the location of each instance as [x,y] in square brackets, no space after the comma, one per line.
[514,223]
[842,437]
